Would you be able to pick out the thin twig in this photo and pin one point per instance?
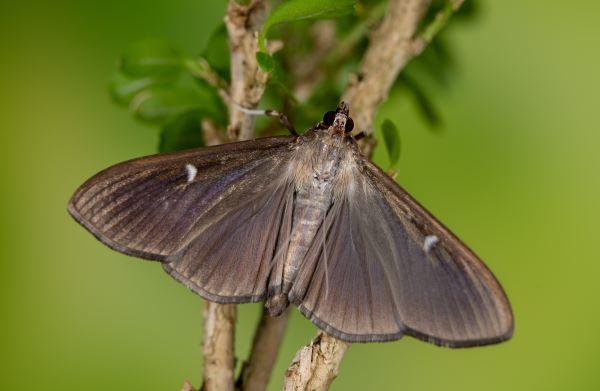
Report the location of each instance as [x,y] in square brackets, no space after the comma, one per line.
[218,346]
[256,371]
[187,386]
[316,365]
[201,69]
[439,22]
[247,79]
[306,70]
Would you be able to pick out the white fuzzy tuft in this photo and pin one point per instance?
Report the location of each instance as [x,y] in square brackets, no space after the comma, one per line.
[191,172]
[429,242]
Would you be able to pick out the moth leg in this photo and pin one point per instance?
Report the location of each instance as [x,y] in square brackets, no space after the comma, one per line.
[359,136]
[283,119]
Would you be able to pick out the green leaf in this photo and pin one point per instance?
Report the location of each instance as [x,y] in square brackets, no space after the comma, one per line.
[156,105]
[123,88]
[151,57]
[266,62]
[292,10]
[182,132]
[391,138]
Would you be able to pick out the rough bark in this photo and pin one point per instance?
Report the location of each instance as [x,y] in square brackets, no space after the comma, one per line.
[218,346]
[247,79]
[315,365]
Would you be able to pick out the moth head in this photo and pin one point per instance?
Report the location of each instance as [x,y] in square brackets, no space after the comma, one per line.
[339,121]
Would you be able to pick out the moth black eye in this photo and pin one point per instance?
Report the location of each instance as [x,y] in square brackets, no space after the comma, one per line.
[328,118]
[349,125]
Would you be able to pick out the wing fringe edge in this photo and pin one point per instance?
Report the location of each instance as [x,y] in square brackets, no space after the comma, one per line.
[109,242]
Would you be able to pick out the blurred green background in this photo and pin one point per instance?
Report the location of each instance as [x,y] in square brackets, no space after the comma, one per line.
[514,173]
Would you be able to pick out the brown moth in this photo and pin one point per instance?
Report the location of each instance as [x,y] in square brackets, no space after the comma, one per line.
[307,220]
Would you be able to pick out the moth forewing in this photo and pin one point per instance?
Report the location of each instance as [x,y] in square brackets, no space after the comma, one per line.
[160,213]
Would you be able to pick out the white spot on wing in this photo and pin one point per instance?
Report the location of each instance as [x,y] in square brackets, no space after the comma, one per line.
[429,242]
[191,172]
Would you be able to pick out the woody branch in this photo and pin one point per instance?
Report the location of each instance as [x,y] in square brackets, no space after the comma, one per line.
[247,85]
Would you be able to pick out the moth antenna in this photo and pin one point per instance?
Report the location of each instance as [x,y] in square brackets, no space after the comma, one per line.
[319,125]
[283,119]
[248,111]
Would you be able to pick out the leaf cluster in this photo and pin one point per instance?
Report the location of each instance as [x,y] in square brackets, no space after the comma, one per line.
[154,80]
